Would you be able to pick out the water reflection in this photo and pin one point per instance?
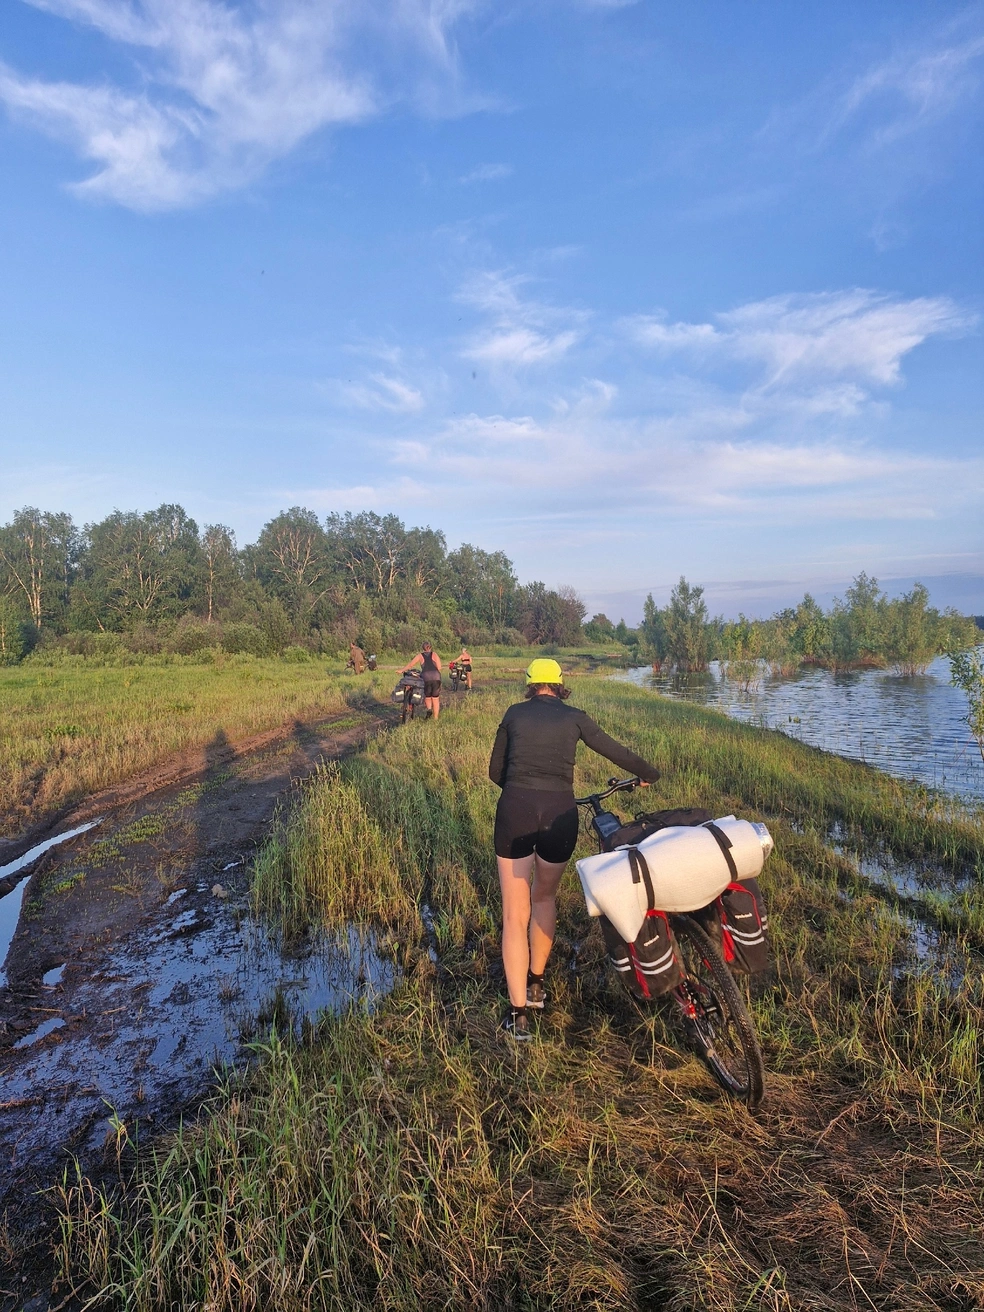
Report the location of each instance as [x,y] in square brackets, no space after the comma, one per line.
[910,727]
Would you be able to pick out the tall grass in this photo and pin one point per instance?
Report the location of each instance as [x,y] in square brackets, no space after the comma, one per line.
[411,1159]
[66,731]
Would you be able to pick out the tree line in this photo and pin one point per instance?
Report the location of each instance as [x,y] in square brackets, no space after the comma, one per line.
[865,627]
[155,581]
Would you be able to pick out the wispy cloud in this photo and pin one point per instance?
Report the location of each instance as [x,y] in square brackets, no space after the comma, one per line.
[223,92]
[814,339]
[381,391]
[521,332]
[769,412]
[916,86]
[487,173]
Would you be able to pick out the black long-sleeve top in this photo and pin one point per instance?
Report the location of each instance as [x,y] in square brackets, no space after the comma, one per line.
[536,745]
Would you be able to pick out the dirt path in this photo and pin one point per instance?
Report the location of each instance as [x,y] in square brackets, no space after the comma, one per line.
[128,974]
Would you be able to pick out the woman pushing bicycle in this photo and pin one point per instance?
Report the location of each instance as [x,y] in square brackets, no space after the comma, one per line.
[536,824]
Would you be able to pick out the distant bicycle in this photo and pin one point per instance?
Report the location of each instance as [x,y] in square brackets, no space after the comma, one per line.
[708,1000]
[458,675]
[409,693]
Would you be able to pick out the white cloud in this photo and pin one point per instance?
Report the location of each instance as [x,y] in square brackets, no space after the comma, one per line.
[225,92]
[487,173]
[522,332]
[915,86]
[383,392]
[606,473]
[810,340]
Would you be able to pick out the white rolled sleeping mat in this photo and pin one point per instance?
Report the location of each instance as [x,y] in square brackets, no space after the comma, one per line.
[686,866]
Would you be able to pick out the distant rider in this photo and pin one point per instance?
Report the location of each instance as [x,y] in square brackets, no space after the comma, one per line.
[431,670]
[464,666]
[536,824]
[357,658]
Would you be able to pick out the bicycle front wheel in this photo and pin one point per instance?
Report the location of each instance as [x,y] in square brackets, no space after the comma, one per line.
[717,1020]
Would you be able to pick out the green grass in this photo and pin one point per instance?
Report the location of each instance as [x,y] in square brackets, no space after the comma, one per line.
[66,731]
[408,1158]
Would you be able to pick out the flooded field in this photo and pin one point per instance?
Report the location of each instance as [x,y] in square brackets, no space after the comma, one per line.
[912,727]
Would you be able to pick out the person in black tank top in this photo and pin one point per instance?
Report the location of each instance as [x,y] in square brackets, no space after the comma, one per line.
[536,824]
[431,669]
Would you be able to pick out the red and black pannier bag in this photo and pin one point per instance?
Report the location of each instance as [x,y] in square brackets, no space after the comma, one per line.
[652,964]
[744,927]
[740,917]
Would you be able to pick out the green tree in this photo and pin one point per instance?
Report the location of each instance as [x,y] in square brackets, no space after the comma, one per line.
[912,631]
[220,575]
[138,569]
[741,641]
[685,619]
[14,629]
[38,551]
[546,616]
[484,585]
[599,628]
[652,631]
[292,560]
[811,636]
[967,672]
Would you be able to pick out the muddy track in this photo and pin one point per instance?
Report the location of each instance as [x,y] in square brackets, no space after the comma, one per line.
[180,767]
[134,964]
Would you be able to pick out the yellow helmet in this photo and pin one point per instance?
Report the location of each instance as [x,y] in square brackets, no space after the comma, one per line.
[544,670]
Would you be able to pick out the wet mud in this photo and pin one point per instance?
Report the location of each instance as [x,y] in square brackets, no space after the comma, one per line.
[134,967]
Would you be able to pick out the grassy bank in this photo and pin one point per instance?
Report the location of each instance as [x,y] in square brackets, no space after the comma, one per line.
[410,1159]
[69,730]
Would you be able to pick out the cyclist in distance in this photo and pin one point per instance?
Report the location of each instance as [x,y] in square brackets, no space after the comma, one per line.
[536,824]
[465,666]
[431,670]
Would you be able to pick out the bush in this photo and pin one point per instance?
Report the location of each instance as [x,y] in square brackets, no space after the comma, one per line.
[192,636]
[295,655]
[244,639]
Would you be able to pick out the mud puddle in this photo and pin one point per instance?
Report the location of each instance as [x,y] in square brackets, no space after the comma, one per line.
[134,967]
[939,906]
[13,886]
[139,1037]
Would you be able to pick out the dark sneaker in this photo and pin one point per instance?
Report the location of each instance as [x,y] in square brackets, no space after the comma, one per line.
[516,1026]
[536,994]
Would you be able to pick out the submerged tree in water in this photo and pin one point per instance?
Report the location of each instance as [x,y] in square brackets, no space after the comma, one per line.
[967,672]
[685,620]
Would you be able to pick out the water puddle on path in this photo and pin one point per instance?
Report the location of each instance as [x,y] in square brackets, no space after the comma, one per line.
[141,1035]
[11,902]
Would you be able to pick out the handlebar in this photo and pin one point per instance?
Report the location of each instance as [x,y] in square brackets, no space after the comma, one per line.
[594,800]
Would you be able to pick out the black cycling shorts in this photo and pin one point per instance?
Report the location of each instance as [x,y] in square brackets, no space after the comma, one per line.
[529,820]
[432,687]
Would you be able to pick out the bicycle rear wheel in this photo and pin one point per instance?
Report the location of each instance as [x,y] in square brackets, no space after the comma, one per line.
[407,709]
[717,1020]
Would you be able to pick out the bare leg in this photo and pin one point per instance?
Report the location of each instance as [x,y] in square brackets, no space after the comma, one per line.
[519,928]
[543,923]
[435,706]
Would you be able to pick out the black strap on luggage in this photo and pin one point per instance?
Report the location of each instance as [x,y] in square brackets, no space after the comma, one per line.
[640,874]
[725,844]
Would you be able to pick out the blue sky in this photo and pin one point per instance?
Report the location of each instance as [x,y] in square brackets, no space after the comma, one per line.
[628,290]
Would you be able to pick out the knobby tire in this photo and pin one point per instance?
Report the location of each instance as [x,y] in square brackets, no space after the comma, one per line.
[747,1084]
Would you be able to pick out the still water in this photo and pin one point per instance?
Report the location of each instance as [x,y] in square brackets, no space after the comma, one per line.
[911,727]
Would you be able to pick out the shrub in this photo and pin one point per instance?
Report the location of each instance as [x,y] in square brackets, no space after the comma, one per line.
[192,636]
[296,655]
[244,639]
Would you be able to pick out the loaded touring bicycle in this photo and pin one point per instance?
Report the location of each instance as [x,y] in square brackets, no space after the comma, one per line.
[680,911]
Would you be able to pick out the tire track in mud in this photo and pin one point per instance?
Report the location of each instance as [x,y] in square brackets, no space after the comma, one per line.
[134,964]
